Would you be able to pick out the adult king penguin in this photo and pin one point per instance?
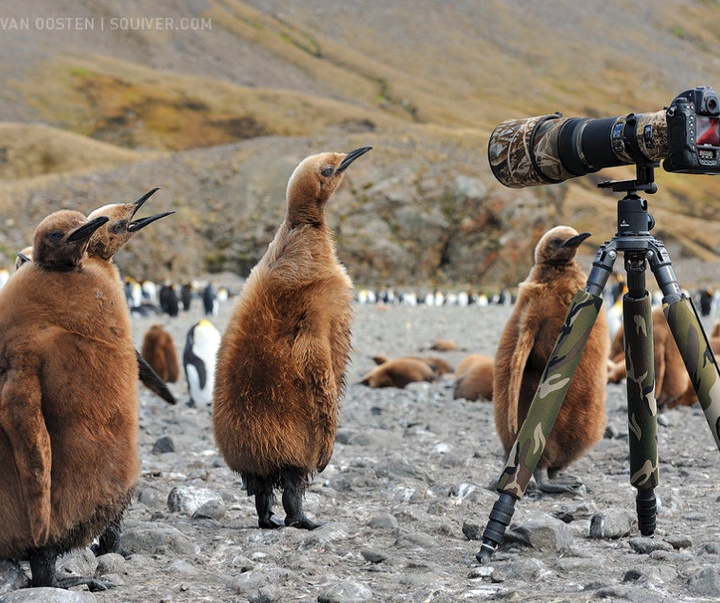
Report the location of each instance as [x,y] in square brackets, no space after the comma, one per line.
[68,400]
[199,359]
[282,359]
[525,346]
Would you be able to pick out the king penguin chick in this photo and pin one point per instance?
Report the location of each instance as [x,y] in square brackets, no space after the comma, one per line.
[158,350]
[104,244]
[525,345]
[199,358]
[68,401]
[281,364]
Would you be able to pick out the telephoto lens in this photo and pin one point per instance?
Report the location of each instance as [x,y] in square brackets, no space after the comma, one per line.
[548,149]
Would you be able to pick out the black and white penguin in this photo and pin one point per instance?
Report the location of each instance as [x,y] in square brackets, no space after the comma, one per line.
[201,346]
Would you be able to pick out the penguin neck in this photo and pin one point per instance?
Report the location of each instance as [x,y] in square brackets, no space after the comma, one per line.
[306,213]
[550,270]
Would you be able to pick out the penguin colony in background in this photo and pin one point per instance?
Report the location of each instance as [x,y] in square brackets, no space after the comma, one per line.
[281,365]
[526,344]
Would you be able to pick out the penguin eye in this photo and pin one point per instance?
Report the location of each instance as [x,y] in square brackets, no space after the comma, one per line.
[119,227]
[57,236]
[327,171]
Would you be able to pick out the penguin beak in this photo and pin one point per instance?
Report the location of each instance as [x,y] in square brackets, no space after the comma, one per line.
[23,259]
[139,203]
[86,230]
[350,157]
[136,225]
[576,240]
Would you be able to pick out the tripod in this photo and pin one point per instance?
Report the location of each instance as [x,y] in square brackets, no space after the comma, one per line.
[639,249]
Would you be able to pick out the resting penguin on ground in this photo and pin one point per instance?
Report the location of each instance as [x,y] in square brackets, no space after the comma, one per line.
[68,401]
[281,364]
[526,344]
[399,372]
[474,377]
[199,358]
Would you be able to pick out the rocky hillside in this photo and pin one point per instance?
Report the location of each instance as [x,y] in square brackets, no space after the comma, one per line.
[216,101]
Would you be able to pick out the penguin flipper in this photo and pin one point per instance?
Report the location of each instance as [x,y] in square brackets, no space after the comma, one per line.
[523,347]
[22,420]
[152,380]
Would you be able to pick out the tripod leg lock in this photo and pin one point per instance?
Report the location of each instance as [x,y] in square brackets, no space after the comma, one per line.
[494,533]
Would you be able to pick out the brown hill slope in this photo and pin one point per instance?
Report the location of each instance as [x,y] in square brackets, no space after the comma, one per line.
[423,86]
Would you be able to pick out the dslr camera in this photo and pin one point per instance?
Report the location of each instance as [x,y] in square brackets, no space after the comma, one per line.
[548,149]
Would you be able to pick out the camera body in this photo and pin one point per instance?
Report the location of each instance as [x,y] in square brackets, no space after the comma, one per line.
[693,132]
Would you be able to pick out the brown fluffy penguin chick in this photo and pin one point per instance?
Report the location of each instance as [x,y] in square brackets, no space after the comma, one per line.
[439,365]
[474,377]
[68,401]
[398,372]
[158,349]
[104,244]
[281,364]
[673,386]
[526,344]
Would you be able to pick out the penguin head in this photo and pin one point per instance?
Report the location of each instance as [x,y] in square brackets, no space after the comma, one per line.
[23,257]
[559,245]
[62,237]
[121,227]
[313,182]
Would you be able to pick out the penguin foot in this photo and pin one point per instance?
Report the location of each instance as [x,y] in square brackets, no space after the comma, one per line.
[93,584]
[270,523]
[302,523]
[550,482]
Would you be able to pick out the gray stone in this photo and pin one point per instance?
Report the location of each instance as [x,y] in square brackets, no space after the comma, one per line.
[373,555]
[12,576]
[323,535]
[346,592]
[80,562]
[163,445]
[47,595]
[472,531]
[156,538]
[544,533]
[186,499]
[705,583]
[212,509]
[111,563]
[646,545]
[383,521]
[612,523]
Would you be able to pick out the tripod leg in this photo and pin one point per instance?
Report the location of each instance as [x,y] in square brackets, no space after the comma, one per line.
[641,404]
[691,339]
[525,453]
[699,359]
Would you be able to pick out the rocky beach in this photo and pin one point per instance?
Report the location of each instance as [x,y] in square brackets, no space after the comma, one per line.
[404,499]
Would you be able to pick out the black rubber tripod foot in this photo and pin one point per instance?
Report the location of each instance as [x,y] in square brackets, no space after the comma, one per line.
[494,533]
[646,506]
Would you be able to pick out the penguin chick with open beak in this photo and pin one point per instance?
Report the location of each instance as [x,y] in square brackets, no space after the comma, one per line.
[281,365]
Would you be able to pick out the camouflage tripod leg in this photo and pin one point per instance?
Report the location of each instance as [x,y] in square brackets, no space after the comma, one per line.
[699,359]
[691,339]
[641,406]
[530,443]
